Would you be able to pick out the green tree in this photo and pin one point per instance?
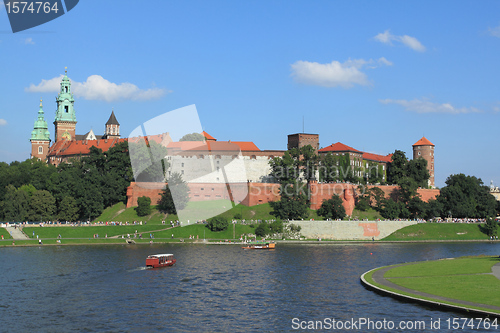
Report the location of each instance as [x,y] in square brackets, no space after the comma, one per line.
[390,209]
[16,205]
[308,162]
[293,204]
[217,223]
[262,229]
[328,170]
[397,168]
[332,208]
[490,227]
[276,226]
[466,196]
[175,196]
[417,170]
[193,137]
[68,209]
[143,206]
[42,206]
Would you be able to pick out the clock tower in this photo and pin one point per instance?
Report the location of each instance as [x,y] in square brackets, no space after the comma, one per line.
[65,122]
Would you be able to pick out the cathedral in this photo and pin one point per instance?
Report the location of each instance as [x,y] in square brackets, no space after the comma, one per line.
[67,144]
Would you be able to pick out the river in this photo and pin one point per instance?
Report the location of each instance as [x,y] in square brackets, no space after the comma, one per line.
[212,288]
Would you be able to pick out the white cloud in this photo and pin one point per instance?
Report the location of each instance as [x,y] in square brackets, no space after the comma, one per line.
[387,38]
[425,106]
[495,31]
[3,122]
[29,40]
[335,74]
[98,88]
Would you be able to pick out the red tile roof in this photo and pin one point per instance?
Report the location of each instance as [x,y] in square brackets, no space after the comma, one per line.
[63,148]
[423,142]
[377,158]
[338,147]
[213,146]
[208,136]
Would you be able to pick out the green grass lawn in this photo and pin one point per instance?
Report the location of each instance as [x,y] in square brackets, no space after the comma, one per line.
[438,231]
[4,233]
[465,279]
[470,265]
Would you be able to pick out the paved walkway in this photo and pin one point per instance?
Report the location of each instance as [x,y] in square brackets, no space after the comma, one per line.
[16,233]
[379,278]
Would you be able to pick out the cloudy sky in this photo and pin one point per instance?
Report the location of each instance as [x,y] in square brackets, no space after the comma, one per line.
[375,75]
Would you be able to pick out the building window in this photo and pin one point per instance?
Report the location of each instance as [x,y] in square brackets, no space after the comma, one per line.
[66,108]
[418,153]
[182,172]
[40,150]
[218,169]
[182,165]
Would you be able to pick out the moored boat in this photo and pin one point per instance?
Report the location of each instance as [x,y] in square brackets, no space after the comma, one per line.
[160,260]
[260,246]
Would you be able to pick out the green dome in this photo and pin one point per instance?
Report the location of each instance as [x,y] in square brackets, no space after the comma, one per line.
[40,129]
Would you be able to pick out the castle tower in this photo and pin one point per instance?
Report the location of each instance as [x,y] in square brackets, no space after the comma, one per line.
[40,137]
[425,149]
[300,140]
[112,127]
[65,121]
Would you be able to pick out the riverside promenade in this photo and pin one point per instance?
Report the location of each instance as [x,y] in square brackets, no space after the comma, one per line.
[426,298]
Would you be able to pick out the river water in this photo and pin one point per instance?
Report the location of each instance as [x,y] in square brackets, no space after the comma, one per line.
[212,288]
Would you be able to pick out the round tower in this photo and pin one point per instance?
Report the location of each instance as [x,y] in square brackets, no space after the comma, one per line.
[40,137]
[423,148]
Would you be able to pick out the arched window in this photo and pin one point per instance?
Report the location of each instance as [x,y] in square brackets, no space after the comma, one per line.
[40,150]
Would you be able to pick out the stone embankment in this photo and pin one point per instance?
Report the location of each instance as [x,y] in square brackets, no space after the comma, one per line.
[350,230]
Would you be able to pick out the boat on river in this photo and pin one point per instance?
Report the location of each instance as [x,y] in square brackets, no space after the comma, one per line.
[160,260]
[260,246]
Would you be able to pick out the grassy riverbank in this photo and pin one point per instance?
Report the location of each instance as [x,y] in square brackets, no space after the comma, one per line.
[463,279]
[438,232]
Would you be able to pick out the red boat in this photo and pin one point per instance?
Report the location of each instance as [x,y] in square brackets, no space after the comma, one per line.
[160,260]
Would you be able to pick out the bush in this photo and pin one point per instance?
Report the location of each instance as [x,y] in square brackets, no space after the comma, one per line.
[218,223]
[295,227]
[332,208]
[143,206]
[237,216]
[262,230]
[276,226]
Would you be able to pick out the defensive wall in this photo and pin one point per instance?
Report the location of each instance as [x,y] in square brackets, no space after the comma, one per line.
[251,194]
[350,230]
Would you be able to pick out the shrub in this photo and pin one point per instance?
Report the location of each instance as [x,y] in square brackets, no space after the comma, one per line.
[143,206]
[218,223]
[237,216]
[262,230]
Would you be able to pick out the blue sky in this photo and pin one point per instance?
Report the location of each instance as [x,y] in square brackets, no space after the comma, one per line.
[375,75]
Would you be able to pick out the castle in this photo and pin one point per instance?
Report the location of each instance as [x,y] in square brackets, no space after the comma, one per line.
[252,173]
[67,144]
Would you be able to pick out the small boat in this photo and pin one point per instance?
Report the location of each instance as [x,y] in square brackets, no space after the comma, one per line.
[260,246]
[160,260]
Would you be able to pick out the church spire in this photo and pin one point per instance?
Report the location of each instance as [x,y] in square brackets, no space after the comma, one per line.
[40,136]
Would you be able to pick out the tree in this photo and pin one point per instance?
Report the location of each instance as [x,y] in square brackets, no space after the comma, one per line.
[16,204]
[332,208]
[217,223]
[143,206]
[490,227]
[193,137]
[293,204]
[328,170]
[466,196]
[417,170]
[397,168]
[68,210]
[262,229]
[42,206]
[390,209]
[148,161]
[175,196]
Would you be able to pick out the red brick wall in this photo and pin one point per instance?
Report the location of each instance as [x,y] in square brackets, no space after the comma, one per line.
[259,193]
